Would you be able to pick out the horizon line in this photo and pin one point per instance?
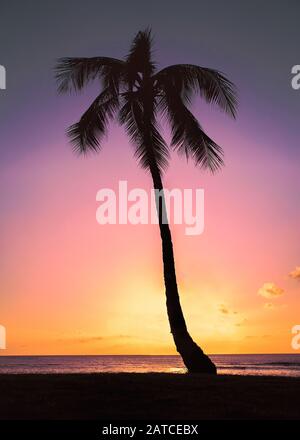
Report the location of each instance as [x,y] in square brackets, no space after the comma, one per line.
[135,355]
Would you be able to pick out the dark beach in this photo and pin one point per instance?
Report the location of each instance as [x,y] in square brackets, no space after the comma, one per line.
[147,396]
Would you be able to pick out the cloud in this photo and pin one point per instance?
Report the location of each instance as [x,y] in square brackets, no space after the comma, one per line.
[231,316]
[223,309]
[295,274]
[270,290]
[88,339]
[242,322]
[269,306]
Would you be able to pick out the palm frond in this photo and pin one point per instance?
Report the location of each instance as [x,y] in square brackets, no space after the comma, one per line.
[210,83]
[187,135]
[86,135]
[75,73]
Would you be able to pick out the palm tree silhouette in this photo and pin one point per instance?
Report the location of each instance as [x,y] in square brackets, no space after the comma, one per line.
[136,93]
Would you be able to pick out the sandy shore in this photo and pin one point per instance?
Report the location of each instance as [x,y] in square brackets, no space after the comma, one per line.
[148,396]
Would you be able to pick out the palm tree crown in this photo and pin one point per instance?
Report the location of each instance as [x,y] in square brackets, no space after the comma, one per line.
[136,93]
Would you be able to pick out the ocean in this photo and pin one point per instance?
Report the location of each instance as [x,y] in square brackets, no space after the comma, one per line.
[252,364]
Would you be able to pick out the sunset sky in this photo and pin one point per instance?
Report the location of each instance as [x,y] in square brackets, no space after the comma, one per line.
[71,286]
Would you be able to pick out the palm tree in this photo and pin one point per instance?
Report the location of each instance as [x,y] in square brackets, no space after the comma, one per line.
[136,93]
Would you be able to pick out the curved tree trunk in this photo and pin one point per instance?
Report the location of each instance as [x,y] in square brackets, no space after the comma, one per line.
[192,355]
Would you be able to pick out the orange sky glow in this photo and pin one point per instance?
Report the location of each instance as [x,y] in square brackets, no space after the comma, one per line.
[72,286]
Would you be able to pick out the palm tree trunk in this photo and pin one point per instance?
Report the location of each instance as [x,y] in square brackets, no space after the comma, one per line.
[192,355]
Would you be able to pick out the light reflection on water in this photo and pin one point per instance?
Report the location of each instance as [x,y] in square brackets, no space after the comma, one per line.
[271,365]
